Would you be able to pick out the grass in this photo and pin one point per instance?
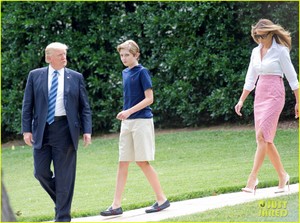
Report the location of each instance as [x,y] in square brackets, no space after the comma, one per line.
[250,212]
[190,164]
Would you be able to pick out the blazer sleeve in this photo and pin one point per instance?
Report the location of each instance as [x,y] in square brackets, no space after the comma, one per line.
[84,108]
[27,106]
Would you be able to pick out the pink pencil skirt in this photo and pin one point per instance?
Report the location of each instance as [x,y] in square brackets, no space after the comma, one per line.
[268,104]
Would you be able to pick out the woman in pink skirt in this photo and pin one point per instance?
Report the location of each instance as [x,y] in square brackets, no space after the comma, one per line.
[270,62]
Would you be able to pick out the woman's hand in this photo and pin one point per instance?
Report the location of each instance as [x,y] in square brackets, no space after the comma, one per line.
[238,107]
[296,110]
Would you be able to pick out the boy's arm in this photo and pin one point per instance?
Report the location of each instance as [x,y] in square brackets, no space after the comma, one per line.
[144,103]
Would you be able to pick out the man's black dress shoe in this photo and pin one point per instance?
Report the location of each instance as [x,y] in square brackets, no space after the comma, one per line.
[110,211]
[155,207]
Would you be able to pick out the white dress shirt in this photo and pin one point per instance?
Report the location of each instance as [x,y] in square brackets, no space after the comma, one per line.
[276,61]
[59,106]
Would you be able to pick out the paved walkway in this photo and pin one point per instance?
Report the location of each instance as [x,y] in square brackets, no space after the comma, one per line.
[192,206]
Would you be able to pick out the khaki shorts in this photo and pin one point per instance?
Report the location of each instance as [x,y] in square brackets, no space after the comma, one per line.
[136,141]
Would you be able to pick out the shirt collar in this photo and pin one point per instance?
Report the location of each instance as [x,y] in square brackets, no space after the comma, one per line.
[51,70]
[274,44]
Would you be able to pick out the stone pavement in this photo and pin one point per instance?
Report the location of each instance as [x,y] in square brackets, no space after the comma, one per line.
[192,206]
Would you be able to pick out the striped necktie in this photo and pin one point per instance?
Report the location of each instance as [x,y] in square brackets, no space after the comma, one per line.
[52,98]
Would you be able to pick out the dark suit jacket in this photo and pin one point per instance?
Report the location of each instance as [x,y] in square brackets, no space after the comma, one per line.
[35,105]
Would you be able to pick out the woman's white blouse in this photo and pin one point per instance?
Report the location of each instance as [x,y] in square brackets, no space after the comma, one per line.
[276,61]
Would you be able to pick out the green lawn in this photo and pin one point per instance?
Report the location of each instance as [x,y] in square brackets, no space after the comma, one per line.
[190,164]
[250,212]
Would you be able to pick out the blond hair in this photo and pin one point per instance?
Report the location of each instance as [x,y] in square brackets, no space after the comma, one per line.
[281,35]
[131,46]
[53,46]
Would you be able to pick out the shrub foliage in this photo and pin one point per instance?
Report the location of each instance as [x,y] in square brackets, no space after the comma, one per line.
[197,52]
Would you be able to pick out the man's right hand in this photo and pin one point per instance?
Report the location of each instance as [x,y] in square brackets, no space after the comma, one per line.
[27,136]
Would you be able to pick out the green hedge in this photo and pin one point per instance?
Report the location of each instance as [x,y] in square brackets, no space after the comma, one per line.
[197,52]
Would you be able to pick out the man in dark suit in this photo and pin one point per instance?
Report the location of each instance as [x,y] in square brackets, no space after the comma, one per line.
[55,106]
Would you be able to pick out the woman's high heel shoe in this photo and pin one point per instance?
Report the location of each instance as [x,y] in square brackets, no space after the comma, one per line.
[286,182]
[249,190]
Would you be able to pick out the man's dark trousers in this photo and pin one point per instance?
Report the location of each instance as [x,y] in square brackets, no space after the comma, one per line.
[57,148]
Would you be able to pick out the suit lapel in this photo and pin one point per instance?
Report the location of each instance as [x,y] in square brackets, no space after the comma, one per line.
[44,81]
[67,80]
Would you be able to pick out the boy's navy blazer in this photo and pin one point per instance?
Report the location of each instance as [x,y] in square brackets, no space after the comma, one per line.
[35,105]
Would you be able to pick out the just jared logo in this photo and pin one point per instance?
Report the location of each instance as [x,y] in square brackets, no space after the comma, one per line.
[273,208]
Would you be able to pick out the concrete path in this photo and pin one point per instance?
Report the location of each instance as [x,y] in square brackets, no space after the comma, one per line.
[192,206]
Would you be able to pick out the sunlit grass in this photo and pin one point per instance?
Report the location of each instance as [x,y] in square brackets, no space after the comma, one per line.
[250,212]
[190,164]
